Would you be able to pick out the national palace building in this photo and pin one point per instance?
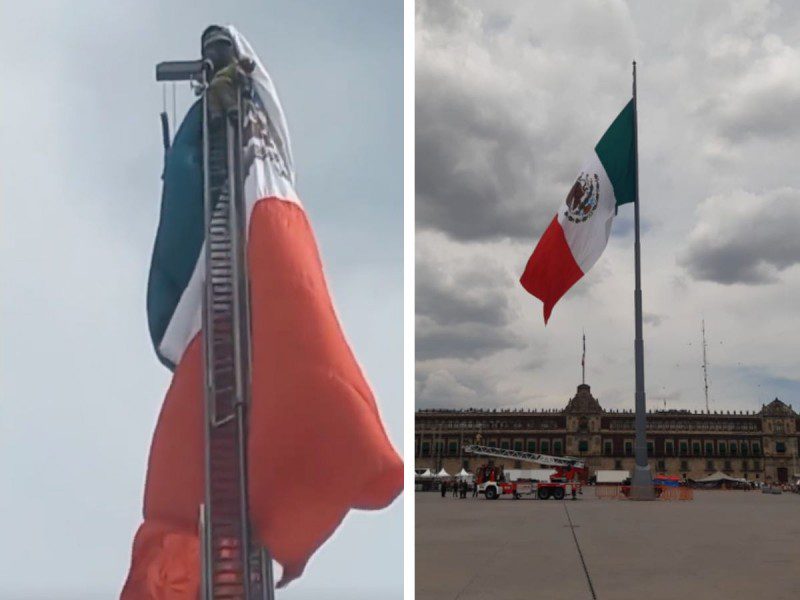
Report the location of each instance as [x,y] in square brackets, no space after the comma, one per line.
[759,445]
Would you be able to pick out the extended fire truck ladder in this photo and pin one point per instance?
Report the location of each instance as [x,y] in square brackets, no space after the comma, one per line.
[234,565]
[542,459]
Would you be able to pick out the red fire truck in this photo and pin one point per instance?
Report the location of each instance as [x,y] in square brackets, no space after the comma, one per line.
[570,474]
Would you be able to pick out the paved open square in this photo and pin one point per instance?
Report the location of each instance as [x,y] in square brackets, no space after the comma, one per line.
[722,544]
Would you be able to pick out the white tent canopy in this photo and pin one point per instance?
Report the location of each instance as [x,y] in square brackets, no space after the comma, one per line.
[720,476]
[426,473]
[464,474]
[612,476]
[443,473]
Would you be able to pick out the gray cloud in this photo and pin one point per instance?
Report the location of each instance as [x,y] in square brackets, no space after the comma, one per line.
[745,238]
[454,385]
[463,311]
[466,340]
[472,297]
[488,138]
[652,319]
[766,102]
[469,166]
[511,97]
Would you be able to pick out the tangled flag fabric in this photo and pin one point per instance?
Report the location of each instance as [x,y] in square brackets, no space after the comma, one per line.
[579,233]
[317,446]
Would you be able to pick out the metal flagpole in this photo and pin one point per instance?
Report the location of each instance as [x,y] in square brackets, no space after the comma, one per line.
[642,480]
[583,360]
[705,364]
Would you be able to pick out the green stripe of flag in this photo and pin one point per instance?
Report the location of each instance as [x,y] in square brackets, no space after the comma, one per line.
[616,150]
[181,227]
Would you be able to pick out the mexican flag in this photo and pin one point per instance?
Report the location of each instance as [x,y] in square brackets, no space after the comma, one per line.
[578,234]
[317,447]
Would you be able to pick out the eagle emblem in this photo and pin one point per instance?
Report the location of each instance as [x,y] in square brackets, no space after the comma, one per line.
[583,198]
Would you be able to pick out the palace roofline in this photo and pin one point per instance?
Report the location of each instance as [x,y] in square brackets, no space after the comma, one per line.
[584,402]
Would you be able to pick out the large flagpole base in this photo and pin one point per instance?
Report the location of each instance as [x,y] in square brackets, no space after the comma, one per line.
[642,484]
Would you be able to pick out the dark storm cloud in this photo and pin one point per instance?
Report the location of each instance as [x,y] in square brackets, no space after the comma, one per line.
[463,341]
[494,149]
[474,297]
[469,166]
[463,310]
[744,238]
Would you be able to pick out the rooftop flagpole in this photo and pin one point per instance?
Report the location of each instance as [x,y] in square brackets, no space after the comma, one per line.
[583,360]
[642,480]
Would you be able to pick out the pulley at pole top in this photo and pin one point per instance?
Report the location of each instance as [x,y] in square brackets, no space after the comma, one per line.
[173,72]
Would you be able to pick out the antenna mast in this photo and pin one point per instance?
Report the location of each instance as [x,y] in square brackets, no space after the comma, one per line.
[705,363]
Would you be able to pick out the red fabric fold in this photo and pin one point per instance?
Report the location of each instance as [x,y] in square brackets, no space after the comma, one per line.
[317,445]
[551,269]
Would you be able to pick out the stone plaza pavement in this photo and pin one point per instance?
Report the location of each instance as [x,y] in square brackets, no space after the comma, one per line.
[722,544]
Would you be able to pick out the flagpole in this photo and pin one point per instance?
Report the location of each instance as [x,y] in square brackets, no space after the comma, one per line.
[583,360]
[642,480]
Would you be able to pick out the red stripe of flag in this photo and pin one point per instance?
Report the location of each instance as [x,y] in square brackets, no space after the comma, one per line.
[551,269]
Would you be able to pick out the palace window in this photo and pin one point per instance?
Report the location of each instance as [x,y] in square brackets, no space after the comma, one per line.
[651,449]
[452,448]
[439,447]
[545,446]
[608,448]
[780,447]
[756,448]
[743,448]
[669,448]
[557,447]
[583,446]
[723,448]
[684,448]
[696,448]
[618,464]
[505,445]
[518,445]
[709,448]
[628,448]
[426,448]
[531,445]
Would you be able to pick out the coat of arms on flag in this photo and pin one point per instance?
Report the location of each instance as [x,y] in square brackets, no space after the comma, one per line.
[582,198]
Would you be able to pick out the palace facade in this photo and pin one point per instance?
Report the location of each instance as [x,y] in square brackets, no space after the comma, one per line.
[759,445]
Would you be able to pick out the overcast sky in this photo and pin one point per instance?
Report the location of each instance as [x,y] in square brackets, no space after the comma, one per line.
[510,99]
[80,166]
